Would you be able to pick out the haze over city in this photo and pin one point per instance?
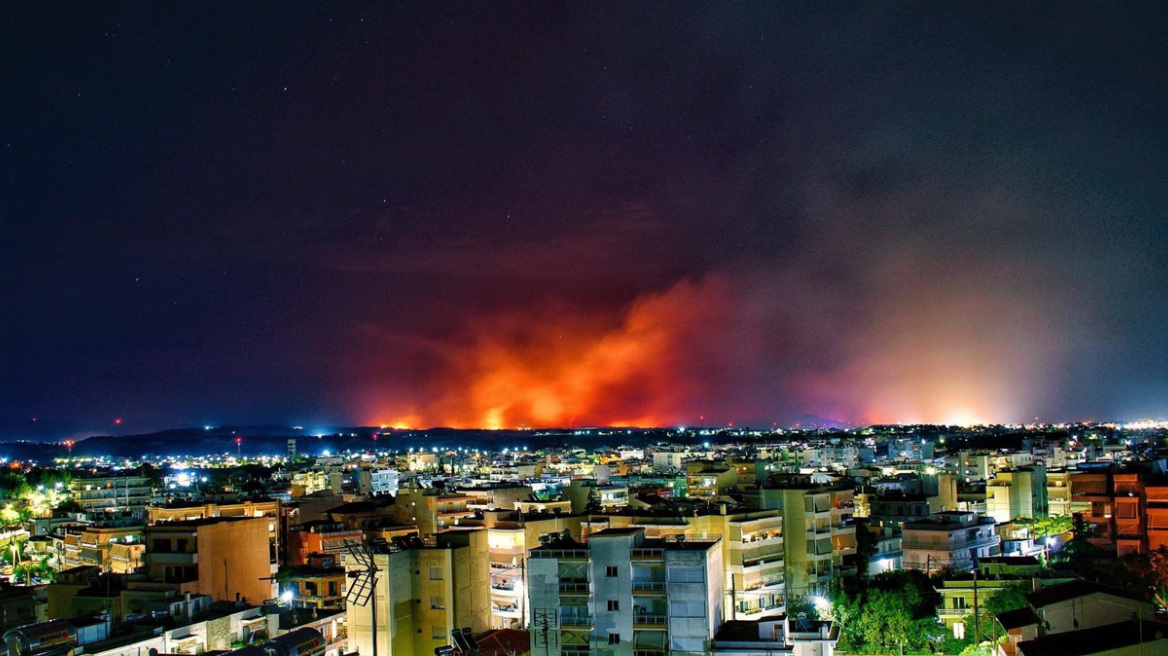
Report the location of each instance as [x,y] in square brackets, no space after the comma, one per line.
[577,215]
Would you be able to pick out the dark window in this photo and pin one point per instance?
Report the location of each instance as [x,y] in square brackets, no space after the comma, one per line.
[610,571]
[613,604]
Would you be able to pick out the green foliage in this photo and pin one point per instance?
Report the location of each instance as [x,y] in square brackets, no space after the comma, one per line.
[865,548]
[891,611]
[1011,597]
[152,474]
[14,485]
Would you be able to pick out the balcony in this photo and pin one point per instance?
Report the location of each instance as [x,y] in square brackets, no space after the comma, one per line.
[648,586]
[765,587]
[574,587]
[577,621]
[953,613]
[163,558]
[650,621]
[990,541]
[762,542]
[506,611]
[755,565]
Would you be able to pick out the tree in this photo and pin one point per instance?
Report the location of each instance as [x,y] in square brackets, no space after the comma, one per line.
[14,485]
[865,548]
[9,515]
[592,505]
[890,612]
[152,474]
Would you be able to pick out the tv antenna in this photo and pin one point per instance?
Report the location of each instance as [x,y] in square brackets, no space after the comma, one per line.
[363,584]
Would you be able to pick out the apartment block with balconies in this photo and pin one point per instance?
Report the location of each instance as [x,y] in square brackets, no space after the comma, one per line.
[819,538]
[622,594]
[226,558]
[114,495]
[954,540]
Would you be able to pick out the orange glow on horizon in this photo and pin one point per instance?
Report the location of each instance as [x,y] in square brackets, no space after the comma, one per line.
[717,343]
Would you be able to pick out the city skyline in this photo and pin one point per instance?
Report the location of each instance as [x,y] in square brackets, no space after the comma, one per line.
[561,216]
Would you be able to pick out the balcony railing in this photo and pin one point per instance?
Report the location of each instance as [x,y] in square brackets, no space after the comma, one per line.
[648,586]
[650,620]
[577,621]
[574,587]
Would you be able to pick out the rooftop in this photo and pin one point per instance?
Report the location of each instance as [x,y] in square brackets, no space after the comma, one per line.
[1074,590]
[1106,638]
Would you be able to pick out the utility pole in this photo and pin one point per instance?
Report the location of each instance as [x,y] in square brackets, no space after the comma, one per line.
[976,618]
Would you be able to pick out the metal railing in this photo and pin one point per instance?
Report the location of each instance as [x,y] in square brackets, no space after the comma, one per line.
[574,586]
[648,586]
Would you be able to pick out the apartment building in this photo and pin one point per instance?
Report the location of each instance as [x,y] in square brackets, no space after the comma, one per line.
[510,535]
[1058,492]
[424,590]
[1018,494]
[622,593]
[1113,506]
[113,494]
[320,537]
[949,539]
[384,481]
[707,479]
[272,510]
[994,575]
[229,559]
[819,538]
[1157,516]
[752,550]
[430,510]
[113,547]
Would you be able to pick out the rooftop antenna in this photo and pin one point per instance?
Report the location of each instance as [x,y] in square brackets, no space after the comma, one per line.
[362,589]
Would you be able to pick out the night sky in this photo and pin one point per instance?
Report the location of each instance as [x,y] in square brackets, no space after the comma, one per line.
[502,214]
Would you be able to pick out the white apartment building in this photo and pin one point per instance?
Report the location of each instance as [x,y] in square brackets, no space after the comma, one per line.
[949,539]
[622,594]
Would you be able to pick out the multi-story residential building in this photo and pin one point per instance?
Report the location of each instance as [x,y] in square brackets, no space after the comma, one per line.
[510,535]
[384,481]
[1018,494]
[430,510]
[949,539]
[229,559]
[582,492]
[994,575]
[1058,492]
[889,555]
[819,539]
[748,472]
[1113,507]
[423,591]
[1157,516]
[319,583]
[272,510]
[114,494]
[896,509]
[709,480]
[624,594]
[752,549]
[320,537]
[668,460]
[98,545]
